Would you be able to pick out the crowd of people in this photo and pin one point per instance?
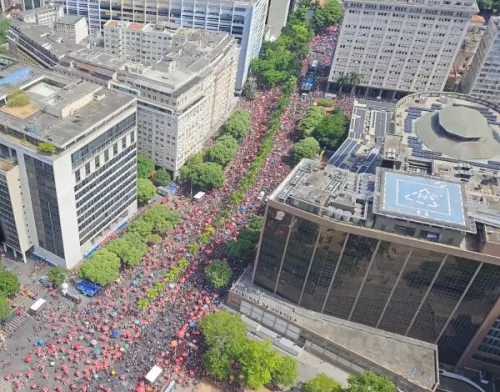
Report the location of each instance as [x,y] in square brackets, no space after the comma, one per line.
[109,344]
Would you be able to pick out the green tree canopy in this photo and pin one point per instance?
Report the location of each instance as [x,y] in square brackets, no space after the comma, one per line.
[325,102]
[9,284]
[332,130]
[103,267]
[257,361]
[321,383]
[145,190]
[57,275]
[220,153]
[219,273]
[285,372]
[141,227]
[328,15]
[222,328]
[305,148]
[485,4]
[369,382]
[129,248]
[47,147]
[244,247]
[162,218]
[238,124]
[145,167]
[17,98]
[217,362]
[4,30]
[5,308]
[314,116]
[228,141]
[162,178]
[207,175]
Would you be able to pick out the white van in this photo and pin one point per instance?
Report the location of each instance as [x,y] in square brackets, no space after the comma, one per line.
[153,374]
[35,308]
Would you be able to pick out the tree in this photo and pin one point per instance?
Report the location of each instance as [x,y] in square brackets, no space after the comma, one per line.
[257,361]
[161,218]
[325,102]
[162,178]
[47,147]
[4,30]
[238,124]
[207,175]
[222,329]
[220,153]
[9,284]
[145,167]
[228,141]
[285,372]
[341,81]
[321,383]
[129,248]
[332,130]
[328,15]
[244,247]
[141,227]
[485,4]
[249,90]
[57,275]
[103,267]
[369,382]
[219,273]
[17,98]
[217,363]
[5,308]
[145,190]
[312,119]
[272,77]
[354,79]
[305,148]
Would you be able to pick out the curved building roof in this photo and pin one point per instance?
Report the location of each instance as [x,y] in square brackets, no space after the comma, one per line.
[465,123]
[459,132]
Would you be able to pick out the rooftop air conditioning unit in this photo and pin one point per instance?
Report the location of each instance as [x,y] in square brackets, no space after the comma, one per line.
[99,96]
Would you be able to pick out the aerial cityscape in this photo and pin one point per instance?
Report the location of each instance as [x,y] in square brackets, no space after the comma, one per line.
[250,195]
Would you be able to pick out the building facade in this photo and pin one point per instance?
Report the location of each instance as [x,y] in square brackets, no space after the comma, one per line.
[43,16]
[277,17]
[72,198]
[90,9]
[73,28]
[399,47]
[482,80]
[245,20]
[411,247]
[186,93]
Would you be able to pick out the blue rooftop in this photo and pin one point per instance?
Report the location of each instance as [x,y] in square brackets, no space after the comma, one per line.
[423,197]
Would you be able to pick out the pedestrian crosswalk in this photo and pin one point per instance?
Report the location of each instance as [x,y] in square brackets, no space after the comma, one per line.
[12,325]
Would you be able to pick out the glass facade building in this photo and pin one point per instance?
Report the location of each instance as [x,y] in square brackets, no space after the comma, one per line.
[427,295]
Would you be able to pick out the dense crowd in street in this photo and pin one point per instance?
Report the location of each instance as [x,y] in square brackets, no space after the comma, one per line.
[109,344]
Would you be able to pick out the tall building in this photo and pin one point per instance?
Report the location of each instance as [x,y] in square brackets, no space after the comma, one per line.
[244,19]
[185,90]
[399,47]
[277,16]
[72,27]
[43,16]
[68,169]
[400,231]
[483,79]
[90,9]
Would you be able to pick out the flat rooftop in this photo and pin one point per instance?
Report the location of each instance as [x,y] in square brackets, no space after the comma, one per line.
[47,117]
[396,353]
[424,199]
[70,19]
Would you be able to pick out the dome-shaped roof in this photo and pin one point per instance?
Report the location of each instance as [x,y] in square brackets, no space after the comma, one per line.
[462,122]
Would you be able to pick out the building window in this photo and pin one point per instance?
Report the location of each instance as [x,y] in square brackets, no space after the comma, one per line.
[87,168]
[106,156]
[124,143]
[115,148]
[77,175]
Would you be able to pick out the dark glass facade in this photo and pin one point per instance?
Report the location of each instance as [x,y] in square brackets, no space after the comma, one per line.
[414,292]
[45,207]
[7,215]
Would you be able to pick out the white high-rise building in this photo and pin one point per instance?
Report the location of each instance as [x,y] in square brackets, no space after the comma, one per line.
[483,79]
[184,81]
[68,163]
[244,19]
[400,46]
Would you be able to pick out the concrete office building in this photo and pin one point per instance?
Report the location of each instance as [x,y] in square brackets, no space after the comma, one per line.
[277,17]
[244,19]
[61,205]
[73,27]
[400,47]
[483,78]
[187,92]
[470,45]
[399,232]
[43,16]
[86,8]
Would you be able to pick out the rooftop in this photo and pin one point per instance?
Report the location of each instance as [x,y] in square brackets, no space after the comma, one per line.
[70,19]
[61,109]
[423,199]
[396,353]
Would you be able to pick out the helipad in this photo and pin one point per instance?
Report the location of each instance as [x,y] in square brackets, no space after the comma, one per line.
[423,198]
